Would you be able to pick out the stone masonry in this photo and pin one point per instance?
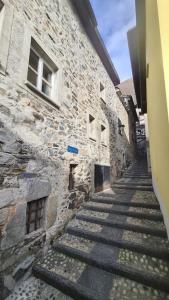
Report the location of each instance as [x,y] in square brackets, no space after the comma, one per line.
[35,133]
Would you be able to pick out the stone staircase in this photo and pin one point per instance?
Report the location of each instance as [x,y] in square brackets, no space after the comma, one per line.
[116,248]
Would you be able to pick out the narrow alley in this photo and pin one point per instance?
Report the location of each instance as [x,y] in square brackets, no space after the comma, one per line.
[116,247]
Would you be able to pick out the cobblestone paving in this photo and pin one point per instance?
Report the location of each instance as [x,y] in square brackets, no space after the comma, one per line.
[63,265]
[86,225]
[145,239]
[147,223]
[36,289]
[77,242]
[144,262]
[125,289]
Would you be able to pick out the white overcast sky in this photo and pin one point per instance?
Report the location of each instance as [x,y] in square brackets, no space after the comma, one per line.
[115,18]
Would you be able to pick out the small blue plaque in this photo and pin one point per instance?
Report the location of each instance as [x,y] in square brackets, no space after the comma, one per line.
[72,150]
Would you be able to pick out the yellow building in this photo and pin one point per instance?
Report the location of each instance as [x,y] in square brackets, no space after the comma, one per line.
[149,51]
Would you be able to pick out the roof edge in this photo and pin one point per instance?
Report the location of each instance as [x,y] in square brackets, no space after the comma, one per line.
[88,19]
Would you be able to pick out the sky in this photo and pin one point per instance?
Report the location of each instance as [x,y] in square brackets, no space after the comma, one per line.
[115,18]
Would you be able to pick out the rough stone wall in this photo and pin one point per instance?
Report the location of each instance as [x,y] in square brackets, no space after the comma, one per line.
[125,142]
[34,134]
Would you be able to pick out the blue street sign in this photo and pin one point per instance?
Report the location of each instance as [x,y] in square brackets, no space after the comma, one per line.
[72,150]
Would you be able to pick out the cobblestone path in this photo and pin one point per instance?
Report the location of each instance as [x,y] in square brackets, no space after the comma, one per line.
[115,248]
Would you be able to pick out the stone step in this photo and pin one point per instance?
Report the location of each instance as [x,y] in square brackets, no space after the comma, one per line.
[160,252]
[136,176]
[129,195]
[132,187]
[88,286]
[156,217]
[123,225]
[74,290]
[101,262]
[140,260]
[126,235]
[109,200]
[133,183]
[123,219]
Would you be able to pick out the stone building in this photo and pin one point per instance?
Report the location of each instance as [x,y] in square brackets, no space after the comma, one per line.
[62,134]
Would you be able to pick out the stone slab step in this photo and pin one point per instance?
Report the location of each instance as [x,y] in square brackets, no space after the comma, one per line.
[160,252]
[129,195]
[119,288]
[133,183]
[141,261]
[136,176]
[108,200]
[156,217]
[123,219]
[123,225]
[132,187]
[74,290]
[108,265]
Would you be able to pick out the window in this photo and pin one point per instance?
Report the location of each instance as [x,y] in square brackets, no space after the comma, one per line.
[35,215]
[72,176]
[92,128]
[102,92]
[104,136]
[42,73]
[120,127]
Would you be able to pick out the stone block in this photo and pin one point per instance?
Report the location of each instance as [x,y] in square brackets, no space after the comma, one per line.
[16,228]
[23,267]
[7,196]
[35,188]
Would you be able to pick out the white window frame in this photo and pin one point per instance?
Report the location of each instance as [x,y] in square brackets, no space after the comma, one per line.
[53,97]
[104,135]
[6,19]
[92,128]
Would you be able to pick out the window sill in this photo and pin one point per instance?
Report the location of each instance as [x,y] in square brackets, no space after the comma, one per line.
[39,93]
[103,100]
[35,234]
[104,145]
[92,139]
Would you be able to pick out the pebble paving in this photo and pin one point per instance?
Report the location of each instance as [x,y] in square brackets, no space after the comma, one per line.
[61,264]
[36,289]
[125,289]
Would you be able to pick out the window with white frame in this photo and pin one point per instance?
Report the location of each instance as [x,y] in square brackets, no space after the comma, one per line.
[42,73]
[102,91]
[104,135]
[92,127]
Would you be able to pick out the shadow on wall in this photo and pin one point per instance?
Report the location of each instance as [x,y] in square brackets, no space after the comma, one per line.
[122,149]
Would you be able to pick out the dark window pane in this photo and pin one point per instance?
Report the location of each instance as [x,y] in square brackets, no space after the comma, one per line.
[32,77]
[35,215]
[47,74]
[33,60]
[46,88]
[32,216]
[31,227]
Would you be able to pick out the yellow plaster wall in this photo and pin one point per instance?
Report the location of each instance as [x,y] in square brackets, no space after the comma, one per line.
[157,55]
